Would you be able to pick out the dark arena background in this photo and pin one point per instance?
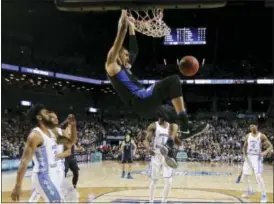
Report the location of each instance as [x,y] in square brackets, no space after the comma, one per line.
[54,53]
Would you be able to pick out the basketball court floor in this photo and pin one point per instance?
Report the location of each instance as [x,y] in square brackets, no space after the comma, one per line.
[193,182]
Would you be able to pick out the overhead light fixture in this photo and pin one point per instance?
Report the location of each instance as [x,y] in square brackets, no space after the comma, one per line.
[25,103]
[92,110]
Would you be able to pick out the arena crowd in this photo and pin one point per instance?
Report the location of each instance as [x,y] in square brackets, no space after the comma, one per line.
[223,142]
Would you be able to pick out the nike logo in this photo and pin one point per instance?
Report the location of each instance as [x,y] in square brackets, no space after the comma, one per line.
[186,132]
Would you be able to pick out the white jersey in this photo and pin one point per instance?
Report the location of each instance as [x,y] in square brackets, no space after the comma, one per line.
[60,149]
[254,144]
[160,138]
[45,155]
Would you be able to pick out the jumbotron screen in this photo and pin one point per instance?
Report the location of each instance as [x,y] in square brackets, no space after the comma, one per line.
[186,36]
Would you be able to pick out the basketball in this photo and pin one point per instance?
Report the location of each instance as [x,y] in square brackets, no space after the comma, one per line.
[189,66]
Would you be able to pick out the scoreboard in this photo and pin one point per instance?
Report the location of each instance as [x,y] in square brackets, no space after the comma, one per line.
[186,36]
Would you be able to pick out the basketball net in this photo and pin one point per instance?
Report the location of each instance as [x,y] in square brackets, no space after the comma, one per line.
[149,22]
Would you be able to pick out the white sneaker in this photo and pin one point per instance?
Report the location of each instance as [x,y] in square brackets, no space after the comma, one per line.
[264,198]
[248,194]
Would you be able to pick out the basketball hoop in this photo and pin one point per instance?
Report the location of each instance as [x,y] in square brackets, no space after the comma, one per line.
[149,22]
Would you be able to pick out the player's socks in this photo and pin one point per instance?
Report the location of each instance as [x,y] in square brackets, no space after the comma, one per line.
[238,179]
[123,174]
[129,176]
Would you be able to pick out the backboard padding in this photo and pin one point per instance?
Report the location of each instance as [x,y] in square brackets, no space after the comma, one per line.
[102,5]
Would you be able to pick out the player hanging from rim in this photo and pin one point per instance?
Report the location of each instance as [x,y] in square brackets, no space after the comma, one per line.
[253,159]
[147,102]
[159,135]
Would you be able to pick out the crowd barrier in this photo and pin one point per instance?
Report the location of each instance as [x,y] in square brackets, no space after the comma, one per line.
[13,164]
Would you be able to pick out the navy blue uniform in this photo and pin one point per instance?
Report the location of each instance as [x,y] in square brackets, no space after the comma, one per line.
[147,102]
[71,163]
[127,155]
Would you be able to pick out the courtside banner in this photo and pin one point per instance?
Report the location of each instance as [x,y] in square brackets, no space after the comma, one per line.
[181,156]
[82,157]
[12,164]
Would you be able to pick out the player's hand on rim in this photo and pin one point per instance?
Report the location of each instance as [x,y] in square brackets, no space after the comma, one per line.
[131,22]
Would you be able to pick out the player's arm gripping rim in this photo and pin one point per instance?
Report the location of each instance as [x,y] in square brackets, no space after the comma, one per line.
[119,40]
[267,144]
[133,45]
[150,132]
[34,140]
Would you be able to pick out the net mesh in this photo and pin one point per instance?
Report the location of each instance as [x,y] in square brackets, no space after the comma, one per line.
[149,22]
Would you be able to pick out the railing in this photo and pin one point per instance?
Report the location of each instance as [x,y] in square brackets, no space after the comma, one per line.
[13,164]
[68,77]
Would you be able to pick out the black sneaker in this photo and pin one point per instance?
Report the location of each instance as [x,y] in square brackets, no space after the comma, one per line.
[195,129]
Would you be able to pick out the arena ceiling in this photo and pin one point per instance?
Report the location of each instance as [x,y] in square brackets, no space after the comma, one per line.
[33,32]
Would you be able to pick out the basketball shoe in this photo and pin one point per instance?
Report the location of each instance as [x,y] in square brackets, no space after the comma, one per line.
[193,129]
[169,153]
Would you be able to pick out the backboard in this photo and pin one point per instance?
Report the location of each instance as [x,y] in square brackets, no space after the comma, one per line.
[101,5]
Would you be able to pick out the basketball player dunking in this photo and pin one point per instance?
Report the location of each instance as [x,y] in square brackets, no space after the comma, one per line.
[63,150]
[41,146]
[163,134]
[147,102]
[254,159]
[128,149]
